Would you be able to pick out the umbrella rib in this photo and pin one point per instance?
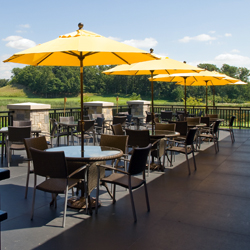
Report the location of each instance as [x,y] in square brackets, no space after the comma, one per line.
[44,58]
[120,58]
[11,58]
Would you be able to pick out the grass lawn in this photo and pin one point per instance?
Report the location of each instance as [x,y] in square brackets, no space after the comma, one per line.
[18,94]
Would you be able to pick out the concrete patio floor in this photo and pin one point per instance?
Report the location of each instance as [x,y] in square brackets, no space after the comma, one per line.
[210,209]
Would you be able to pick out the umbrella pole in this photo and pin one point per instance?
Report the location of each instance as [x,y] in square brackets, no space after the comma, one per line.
[82,121]
[185,95]
[206,97]
[213,95]
[152,101]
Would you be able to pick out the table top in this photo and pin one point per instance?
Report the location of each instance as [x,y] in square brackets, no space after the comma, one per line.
[91,153]
[165,133]
[216,119]
[190,124]
[5,130]
[139,116]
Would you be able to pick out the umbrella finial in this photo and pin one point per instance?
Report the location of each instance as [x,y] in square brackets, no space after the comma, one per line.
[151,50]
[80,25]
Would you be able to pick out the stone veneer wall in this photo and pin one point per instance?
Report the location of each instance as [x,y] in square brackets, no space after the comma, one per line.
[104,108]
[38,114]
[139,107]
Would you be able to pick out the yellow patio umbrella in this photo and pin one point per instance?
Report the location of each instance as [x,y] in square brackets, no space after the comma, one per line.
[204,78]
[80,48]
[165,65]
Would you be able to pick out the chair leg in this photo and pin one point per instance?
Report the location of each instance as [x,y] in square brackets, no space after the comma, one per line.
[146,194]
[215,146]
[194,161]
[27,180]
[189,172]
[33,201]
[90,205]
[132,202]
[114,201]
[65,207]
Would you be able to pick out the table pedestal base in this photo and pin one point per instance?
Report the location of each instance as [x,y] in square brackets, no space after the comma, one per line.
[80,203]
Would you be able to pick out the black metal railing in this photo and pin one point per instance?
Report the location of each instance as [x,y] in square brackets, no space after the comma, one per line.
[242,113]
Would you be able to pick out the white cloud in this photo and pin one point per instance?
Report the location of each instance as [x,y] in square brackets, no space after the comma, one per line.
[199,38]
[212,32]
[233,60]
[146,43]
[228,34]
[20,31]
[235,51]
[18,42]
[26,26]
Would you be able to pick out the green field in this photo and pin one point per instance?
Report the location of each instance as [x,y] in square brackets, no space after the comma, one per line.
[17,94]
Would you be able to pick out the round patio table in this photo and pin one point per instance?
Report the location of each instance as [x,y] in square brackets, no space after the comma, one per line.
[91,154]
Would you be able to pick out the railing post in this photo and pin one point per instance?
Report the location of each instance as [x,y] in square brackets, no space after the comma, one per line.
[240,117]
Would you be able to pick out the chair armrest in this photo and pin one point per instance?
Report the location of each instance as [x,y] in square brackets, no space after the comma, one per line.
[77,171]
[111,168]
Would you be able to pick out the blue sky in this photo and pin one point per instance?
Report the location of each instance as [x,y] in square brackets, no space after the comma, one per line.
[195,31]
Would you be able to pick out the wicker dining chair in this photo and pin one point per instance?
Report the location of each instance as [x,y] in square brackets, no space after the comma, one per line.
[186,147]
[128,179]
[37,143]
[52,165]
[15,140]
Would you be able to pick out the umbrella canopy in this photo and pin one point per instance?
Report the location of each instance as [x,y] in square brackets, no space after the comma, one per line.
[80,48]
[165,65]
[204,78]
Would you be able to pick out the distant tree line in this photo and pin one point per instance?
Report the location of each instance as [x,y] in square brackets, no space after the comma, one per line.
[65,81]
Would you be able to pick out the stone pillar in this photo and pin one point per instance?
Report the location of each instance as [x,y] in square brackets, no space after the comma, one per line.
[37,113]
[98,107]
[139,107]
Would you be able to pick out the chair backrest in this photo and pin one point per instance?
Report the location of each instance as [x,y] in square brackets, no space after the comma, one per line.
[166,115]
[115,141]
[190,136]
[200,113]
[181,127]
[148,117]
[193,120]
[66,118]
[95,116]
[35,142]
[120,119]
[205,119]
[99,121]
[122,114]
[89,126]
[17,134]
[180,117]
[164,126]
[21,123]
[216,126]
[54,127]
[232,121]
[117,129]
[212,115]
[86,117]
[138,160]
[129,118]
[49,164]
[138,138]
